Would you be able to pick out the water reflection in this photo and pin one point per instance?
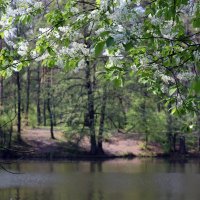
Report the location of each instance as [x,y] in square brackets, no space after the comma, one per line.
[94,192]
[119,179]
[96,167]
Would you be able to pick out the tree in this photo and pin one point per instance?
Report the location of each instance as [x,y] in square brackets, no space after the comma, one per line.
[27,96]
[18,83]
[153,39]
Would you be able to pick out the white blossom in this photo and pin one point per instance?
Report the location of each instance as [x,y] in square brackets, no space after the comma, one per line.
[100,30]
[81,65]
[64,29]
[44,30]
[134,68]
[167,79]
[22,48]
[56,34]
[38,5]
[120,28]
[166,30]
[94,14]
[185,76]
[9,35]
[42,57]
[74,10]
[80,17]
[155,21]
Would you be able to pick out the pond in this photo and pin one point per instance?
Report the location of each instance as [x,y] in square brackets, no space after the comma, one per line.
[137,179]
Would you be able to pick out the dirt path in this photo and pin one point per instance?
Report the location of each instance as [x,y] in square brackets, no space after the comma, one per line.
[120,144]
[39,139]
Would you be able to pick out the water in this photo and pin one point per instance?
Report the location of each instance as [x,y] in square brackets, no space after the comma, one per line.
[137,179]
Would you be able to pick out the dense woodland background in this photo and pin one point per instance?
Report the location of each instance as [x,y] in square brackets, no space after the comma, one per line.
[90,101]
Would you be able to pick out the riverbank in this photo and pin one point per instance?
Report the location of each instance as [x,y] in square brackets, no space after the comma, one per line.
[37,144]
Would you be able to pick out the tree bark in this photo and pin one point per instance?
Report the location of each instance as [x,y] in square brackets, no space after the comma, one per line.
[182,145]
[101,123]
[10,136]
[50,116]
[54,115]
[27,96]
[91,113]
[1,83]
[44,99]
[123,123]
[1,94]
[198,128]
[144,115]
[170,136]
[38,97]
[49,106]
[18,106]
[198,143]
[44,113]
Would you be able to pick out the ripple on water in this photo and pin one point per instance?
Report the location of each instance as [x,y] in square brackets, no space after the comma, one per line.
[28,180]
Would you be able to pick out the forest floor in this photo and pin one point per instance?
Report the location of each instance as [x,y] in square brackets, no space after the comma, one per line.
[37,144]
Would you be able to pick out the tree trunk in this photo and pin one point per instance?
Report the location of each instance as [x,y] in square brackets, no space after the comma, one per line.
[27,96]
[49,106]
[182,145]
[38,97]
[44,99]
[101,123]
[198,143]
[144,115]
[18,107]
[10,136]
[44,113]
[1,83]
[174,137]
[122,123]
[170,136]
[54,116]
[198,128]
[91,114]
[1,94]
[50,116]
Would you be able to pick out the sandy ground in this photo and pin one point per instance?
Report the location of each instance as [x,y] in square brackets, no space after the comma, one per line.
[119,145]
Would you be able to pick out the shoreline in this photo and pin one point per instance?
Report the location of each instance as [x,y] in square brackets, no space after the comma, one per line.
[37,145]
[5,155]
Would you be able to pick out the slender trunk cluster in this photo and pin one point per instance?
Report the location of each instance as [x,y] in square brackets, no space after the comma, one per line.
[102,122]
[18,106]
[144,115]
[38,97]
[49,105]
[91,113]
[1,95]
[27,96]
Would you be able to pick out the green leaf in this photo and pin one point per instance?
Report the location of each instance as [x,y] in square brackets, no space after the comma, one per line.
[196,85]
[118,82]
[25,19]
[174,111]
[196,22]
[105,33]
[99,48]
[1,35]
[19,67]
[110,41]
[98,2]
[172,91]
[184,2]
[3,73]
[128,46]
[50,51]
[55,18]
